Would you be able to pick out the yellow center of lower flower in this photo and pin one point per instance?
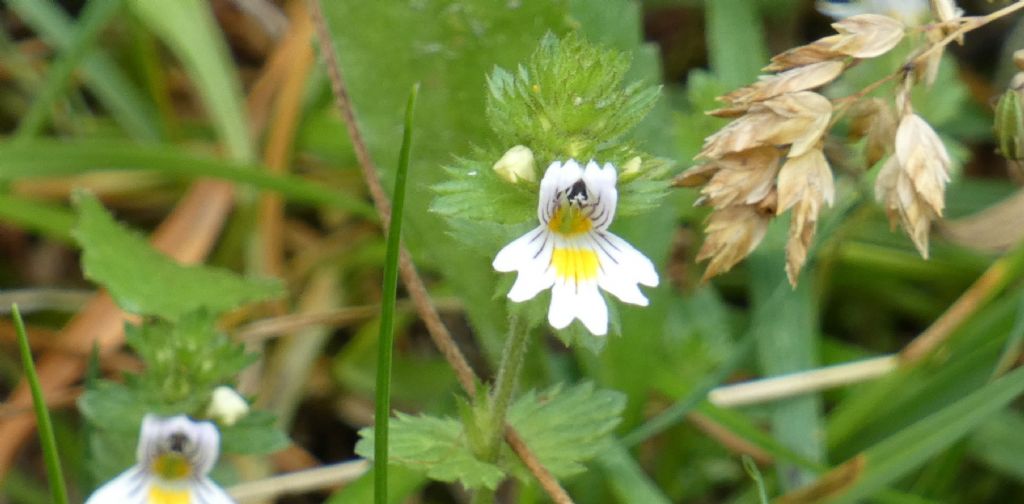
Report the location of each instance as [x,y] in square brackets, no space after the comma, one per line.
[576,264]
[569,221]
[162,495]
[172,466]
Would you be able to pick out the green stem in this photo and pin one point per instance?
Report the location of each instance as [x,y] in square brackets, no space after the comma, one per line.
[46,438]
[505,385]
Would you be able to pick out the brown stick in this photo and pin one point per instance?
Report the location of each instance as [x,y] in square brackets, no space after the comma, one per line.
[410,277]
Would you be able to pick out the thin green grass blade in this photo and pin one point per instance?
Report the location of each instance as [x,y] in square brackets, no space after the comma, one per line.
[627,479]
[891,459]
[755,474]
[50,158]
[96,15]
[677,412]
[387,312]
[58,490]
[190,31]
[112,87]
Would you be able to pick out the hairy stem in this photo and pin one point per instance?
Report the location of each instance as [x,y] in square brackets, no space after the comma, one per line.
[505,385]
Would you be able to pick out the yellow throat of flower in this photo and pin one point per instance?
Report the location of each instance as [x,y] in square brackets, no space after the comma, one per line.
[569,220]
[171,467]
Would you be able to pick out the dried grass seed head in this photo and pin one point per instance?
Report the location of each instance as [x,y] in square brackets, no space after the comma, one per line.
[732,234]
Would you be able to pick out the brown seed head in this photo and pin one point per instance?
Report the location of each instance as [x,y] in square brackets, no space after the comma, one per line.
[865,35]
[798,79]
[797,118]
[814,52]
[732,233]
[911,184]
[874,119]
[805,183]
[743,178]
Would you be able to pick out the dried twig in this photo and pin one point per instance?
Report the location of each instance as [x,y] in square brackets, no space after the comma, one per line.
[803,382]
[410,277]
[299,482]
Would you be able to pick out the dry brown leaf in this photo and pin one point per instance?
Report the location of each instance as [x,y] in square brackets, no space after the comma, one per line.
[865,35]
[732,233]
[743,178]
[797,118]
[994,229]
[798,79]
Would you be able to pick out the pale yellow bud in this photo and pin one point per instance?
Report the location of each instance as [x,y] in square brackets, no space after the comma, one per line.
[226,406]
[632,167]
[517,164]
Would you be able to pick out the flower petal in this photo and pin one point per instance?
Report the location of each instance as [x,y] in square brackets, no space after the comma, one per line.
[207,492]
[514,255]
[570,300]
[129,487]
[640,268]
[535,275]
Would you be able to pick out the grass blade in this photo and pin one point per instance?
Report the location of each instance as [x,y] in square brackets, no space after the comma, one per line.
[96,15]
[112,87]
[205,55]
[891,459]
[47,219]
[387,312]
[755,474]
[50,158]
[58,491]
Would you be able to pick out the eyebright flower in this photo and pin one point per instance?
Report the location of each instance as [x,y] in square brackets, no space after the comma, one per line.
[175,456]
[572,252]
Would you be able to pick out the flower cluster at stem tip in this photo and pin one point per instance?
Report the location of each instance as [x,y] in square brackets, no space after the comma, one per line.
[572,252]
[174,459]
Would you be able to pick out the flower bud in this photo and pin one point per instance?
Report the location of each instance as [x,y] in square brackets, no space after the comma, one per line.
[517,164]
[632,167]
[226,406]
[1009,126]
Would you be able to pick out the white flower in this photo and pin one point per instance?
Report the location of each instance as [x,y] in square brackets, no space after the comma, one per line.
[175,456]
[517,164]
[572,252]
[910,12]
[226,406]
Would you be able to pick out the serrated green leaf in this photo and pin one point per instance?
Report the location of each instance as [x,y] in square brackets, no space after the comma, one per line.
[565,427]
[255,434]
[436,447]
[147,282]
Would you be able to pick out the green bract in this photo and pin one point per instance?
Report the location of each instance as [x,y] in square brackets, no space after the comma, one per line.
[567,102]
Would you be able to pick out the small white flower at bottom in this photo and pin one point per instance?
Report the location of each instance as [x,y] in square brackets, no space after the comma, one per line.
[175,456]
[571,251]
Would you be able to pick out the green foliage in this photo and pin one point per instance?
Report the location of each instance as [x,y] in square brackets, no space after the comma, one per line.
[184,363]
[436,447]
[150,283]
[564,427]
